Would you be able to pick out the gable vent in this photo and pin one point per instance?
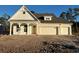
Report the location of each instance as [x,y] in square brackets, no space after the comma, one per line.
[23,12]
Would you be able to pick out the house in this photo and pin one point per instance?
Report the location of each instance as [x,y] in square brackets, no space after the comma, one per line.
[25,22]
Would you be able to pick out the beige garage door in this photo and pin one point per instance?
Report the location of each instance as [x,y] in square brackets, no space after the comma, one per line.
[47,31]
[64,31]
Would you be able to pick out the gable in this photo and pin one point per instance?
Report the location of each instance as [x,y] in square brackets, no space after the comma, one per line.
[23,14]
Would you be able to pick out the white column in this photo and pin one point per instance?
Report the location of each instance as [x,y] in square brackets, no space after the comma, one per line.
[70,30]
[10,29]
[28,29]
[15,30]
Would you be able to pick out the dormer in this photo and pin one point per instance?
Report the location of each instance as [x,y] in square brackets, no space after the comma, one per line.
[48,18]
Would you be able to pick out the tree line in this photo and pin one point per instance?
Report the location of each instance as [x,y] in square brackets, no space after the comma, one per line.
[4,23]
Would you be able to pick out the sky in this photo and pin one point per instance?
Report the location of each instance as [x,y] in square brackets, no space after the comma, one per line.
[55,9]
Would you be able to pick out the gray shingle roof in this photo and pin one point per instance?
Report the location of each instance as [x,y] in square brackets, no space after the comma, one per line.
[54,18]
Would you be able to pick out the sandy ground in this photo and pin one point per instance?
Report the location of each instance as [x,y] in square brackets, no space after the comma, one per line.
[31,43]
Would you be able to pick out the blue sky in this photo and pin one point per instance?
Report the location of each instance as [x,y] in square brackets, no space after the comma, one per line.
[56,9]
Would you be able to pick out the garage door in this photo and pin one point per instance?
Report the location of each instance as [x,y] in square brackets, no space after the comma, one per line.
[64,31]
[47,31]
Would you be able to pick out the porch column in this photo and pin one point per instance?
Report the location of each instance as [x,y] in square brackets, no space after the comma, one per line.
[70,30]
[15,32]
[10,29]
[28,29]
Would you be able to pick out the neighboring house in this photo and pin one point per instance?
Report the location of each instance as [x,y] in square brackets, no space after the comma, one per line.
[24,22]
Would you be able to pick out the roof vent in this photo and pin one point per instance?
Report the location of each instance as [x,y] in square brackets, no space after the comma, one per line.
[23,12]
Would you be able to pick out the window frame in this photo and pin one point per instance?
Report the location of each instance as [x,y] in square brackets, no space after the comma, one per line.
[48,18]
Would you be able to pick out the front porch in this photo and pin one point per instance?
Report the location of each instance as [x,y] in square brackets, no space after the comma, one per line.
[22,29]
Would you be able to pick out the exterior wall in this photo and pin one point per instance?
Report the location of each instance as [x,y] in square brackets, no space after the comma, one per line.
[44,28]
[51,29]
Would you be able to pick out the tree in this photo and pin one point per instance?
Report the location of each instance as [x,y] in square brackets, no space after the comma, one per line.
[68,15]
[71,15]
[63,15]
[4,21]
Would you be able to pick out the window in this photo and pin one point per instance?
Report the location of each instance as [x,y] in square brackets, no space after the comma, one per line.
[23,12]
[48,18]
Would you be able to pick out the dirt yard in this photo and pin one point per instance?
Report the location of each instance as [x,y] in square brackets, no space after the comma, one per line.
[38,44]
